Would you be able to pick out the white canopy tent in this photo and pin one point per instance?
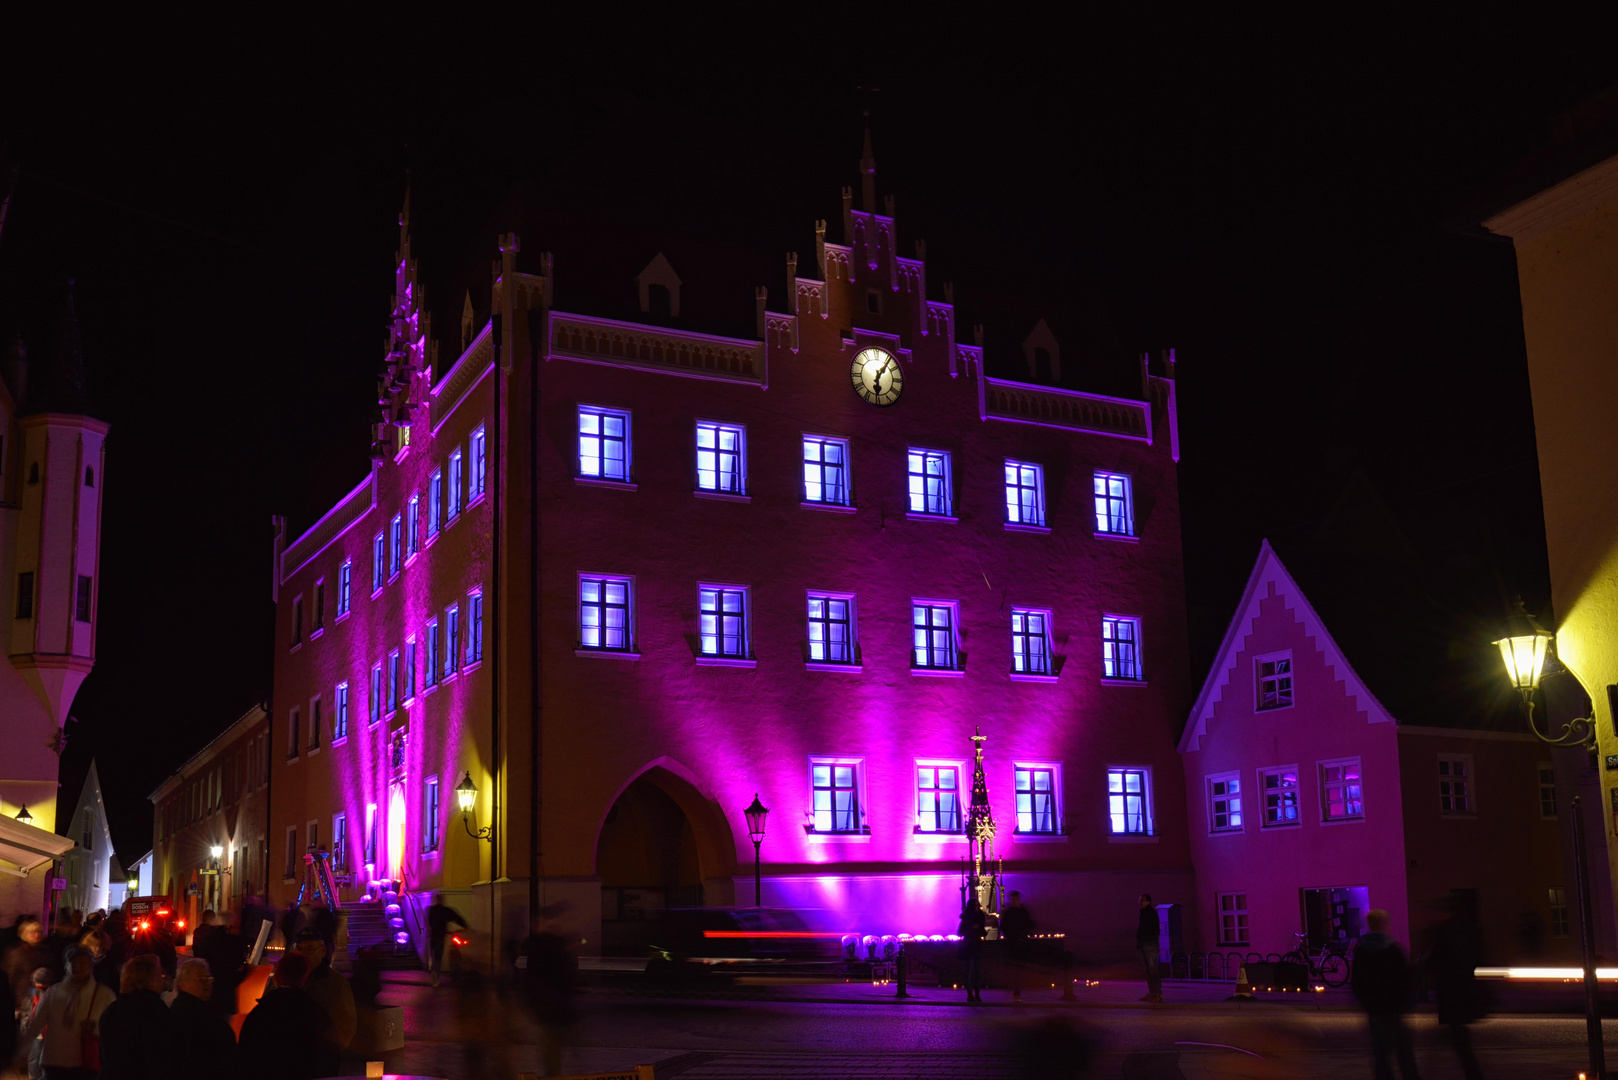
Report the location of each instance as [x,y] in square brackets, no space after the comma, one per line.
[24,849]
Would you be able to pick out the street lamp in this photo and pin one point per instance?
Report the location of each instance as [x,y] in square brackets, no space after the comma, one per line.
[756,814]
[24,816]
[466,793]
[216,851]
[1525,648]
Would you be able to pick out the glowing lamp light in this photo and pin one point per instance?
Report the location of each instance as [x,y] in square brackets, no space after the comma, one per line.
[1524,649]
[216,851]
[134,883]
[466,793]
[756,813]
[24,816]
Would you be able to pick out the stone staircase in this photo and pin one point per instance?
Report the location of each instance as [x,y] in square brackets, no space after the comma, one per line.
[380,922]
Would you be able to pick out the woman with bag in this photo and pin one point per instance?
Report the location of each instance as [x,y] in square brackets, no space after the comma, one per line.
[70,1016]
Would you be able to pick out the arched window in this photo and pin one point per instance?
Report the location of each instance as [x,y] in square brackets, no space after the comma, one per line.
[89,476]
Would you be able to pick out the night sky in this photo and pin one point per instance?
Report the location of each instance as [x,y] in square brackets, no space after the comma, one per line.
[1282,203]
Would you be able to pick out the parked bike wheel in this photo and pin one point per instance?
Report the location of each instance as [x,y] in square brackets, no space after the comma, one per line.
[1334,970]
[1294,957]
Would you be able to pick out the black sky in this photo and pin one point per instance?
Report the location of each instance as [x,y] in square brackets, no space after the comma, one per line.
[1269,197]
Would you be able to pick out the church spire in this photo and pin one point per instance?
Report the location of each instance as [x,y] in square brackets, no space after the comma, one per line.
[400,384]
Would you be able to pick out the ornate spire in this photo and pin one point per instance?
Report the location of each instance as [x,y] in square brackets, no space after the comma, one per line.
[402,383]
[980,817]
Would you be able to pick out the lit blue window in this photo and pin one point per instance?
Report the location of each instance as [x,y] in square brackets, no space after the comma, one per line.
[452,640]
[603,613]
[831,629]
[1120,647]
[408,693]
[721,458]
[474,627]
[836,796]
[395,546]
[1115,505]
[933,635]
[477,478]
[1036,799]
[1129,803]
[825,470]
[938,799]
[412,526]
[603,444]
[1280,796]
[429,668]
[1030,641]
[1025,493]
[378,562]
[393,681]
[376,693]
[339,721]
[429,814]
[723,629]
[435,502]
[345,586]
[929,483]
[453,507]
[1225,803]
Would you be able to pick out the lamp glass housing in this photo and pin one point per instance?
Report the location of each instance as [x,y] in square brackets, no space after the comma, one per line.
[216,851]
[466,793]
[756,813]
[1524,657]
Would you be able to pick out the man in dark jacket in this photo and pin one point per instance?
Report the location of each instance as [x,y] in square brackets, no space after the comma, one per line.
[287,1036]
[1382,986]
[1146,943]
[207,1046]
[1457,951]
[226,952]
[439,917]
[139,1038]
[1016,923]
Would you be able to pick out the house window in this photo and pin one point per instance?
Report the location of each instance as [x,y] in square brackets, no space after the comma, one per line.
[723,620]
[345,587]
[393,682]
[1129,801]
[1036,799]
[1030,641]
[81,607]
[1341,797]
[395,546]
[1454,783]
[1025,493]
[933,635]
[1233,918]
[836,796]
[339,723]
[1547,790]
[315,721]
[412,526]
[429,815]
[378,567]
[313,837]
[376,693]
[721,458]
[319,622]
[603,614]
[453,506]
[435,502]
[294,734]
[1120,647]
[452,640]
[1280,796]
[474,627]
[1225,803]
[938,798]
[603,444]
[291,870]
[408,693]
[1274,674]
[831,629]
[1559,924]
[339,842]
[477,479]
[825,470]
[297,621]
[370,835]
[25,595]
[1115,505]
[429,669]
[929,482]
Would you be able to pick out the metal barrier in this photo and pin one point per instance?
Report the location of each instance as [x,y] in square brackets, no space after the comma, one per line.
[1209,966]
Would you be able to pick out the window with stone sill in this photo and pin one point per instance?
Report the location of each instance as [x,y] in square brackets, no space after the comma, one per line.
[938,798]
[1225,803]
[835,796]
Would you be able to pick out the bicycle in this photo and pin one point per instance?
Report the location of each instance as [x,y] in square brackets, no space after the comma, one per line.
[1331,962]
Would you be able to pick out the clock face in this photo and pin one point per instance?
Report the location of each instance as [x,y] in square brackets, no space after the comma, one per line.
[877,377]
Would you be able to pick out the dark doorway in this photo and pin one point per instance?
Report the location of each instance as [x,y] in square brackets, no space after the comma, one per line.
[1334,914]
[647,860]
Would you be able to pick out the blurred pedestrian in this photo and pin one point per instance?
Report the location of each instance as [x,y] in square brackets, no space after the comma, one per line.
[971,930]
[1016,924]
[1148,937]
[69,1016]
[139,1038]
[27,954]
[207,1046]
[367,981]
[439,917]
[326,987]
[9,1015]
[548,984]
[1382,985]
[287,1036]
[1457,951]
[226,953]
[206,926]
[100,946]
[35,1051]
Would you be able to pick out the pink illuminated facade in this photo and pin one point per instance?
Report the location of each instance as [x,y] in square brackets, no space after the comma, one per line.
[624,571]
[1309,804]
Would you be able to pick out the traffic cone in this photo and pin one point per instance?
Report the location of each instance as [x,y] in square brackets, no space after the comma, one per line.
[1243,990]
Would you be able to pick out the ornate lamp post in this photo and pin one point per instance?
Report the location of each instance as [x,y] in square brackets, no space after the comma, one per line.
[466,793]
[756,813]
[1525,648]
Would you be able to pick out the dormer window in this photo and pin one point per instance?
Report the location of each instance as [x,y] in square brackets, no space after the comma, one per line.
[658,288]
